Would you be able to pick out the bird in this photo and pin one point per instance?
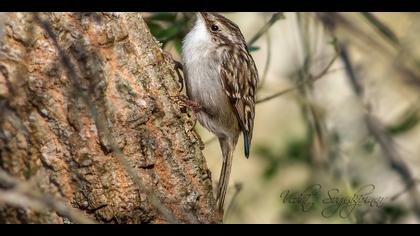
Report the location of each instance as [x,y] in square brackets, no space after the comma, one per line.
[221,80]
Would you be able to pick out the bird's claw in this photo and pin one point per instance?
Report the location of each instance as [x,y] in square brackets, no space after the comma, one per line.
[193,105]
[178,67]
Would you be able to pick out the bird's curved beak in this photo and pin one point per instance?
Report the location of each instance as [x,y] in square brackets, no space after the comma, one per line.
[203,16]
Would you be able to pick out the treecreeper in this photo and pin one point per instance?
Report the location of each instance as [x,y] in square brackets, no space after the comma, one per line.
[221,80]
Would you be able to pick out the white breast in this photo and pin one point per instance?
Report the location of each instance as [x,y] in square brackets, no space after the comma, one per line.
[200,64]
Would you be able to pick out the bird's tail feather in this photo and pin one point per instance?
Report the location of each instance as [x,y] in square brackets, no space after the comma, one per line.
[246,144]
[224,180]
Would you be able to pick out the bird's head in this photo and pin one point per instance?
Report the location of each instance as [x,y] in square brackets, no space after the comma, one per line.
[220,29]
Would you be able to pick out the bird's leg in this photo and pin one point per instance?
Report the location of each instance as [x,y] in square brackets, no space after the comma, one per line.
[193,105]
[178,68]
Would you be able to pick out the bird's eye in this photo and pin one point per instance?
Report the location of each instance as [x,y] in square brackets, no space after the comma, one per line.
[214,28]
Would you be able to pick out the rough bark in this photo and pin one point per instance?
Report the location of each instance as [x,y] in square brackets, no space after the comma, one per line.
[59,122]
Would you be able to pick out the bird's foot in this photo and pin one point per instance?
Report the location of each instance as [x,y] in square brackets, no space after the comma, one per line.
[186,102]
[178,67]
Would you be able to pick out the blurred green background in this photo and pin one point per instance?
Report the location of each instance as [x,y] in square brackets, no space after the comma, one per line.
[349,117]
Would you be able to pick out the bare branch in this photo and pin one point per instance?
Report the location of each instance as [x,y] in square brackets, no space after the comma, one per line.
[274,18]
[379,133]
[309,79]
[405,190]
[238,189]
[384,30]
[407,65]
[267,62]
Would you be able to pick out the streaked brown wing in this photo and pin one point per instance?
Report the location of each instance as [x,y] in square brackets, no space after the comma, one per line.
[239,77]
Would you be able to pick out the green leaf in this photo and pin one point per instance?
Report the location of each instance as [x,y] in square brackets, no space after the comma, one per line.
[369,145]
[154,27]
[254,48]
[298,150]
[168,33]
[270,172]
[408,122]
[278,16]
[334,43]
[163,16]
[178,45]
[271,159]
[393,212]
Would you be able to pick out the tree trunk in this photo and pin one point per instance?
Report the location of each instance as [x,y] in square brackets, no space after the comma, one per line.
[86,108]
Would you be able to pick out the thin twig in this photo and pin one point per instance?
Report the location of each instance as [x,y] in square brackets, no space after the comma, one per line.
[377,130]
[410,72]
[274,18]
[238,189]
[310,79]
[267,61]
[383,29]
[405,190]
